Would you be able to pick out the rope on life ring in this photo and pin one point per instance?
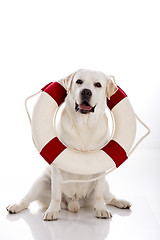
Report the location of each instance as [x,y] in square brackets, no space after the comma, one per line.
[109,157]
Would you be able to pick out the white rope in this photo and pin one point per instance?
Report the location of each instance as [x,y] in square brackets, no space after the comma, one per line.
[101,175]
[141,139]
[29,117]
[26,107]
[86,180]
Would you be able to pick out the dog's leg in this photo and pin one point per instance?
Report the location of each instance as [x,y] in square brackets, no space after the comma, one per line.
[101,210]
[34,194]
[56,192]
[112,200]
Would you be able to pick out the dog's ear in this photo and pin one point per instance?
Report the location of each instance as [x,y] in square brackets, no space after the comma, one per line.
[67,82]
[111,86]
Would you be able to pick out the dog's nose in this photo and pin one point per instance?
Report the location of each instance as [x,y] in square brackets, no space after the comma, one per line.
[86,93]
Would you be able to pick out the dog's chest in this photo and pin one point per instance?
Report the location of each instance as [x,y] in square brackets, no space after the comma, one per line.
[81,135]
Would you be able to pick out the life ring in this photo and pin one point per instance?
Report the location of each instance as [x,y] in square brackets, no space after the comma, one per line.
[111,156]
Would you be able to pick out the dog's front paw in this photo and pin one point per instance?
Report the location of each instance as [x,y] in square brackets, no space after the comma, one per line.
[15,208]
[120,203]
[104,213]
[50,215]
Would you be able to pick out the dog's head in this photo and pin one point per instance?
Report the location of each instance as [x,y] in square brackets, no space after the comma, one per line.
[87,91]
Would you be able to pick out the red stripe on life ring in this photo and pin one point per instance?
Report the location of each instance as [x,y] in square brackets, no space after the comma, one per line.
[116,98]
[56,91]
[47,85]
[116,152]
[52,149]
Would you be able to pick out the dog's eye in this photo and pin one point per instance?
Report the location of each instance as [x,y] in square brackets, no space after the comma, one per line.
[97,85]
[79,81]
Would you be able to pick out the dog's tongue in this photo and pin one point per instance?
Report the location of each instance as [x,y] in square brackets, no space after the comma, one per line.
[83,106]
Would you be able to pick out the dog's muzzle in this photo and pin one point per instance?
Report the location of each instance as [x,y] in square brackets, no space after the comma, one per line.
[84,107]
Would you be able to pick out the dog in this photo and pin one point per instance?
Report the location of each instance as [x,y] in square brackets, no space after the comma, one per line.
[81,125]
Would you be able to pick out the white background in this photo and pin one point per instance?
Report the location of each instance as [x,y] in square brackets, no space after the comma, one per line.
[43,41]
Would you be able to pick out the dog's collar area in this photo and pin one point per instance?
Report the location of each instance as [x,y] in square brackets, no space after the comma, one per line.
[84,107]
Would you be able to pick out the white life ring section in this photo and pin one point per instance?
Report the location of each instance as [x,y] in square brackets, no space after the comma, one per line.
[112,155]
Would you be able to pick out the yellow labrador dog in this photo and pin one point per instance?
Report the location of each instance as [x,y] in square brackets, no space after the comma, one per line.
[81,124]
